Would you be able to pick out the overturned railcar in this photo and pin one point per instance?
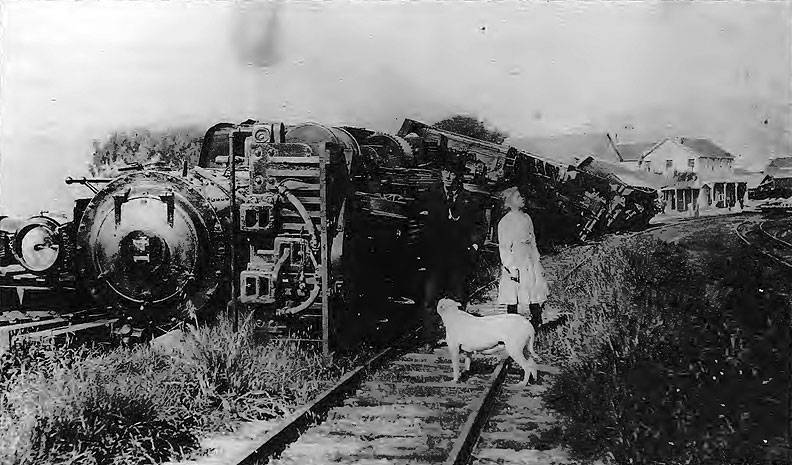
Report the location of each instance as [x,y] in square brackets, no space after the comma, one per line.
[569,203]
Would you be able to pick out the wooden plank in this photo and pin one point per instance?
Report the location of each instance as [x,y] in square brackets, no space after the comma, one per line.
[294,226]
[443,358]
[50,333]
[7,332]
[31,324]
[28,277]
[294,160]
[309,200]
[290,214]
[31,288]
[403,385]
[306,173]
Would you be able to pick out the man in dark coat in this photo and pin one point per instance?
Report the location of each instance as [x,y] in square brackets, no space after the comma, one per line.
[454,231]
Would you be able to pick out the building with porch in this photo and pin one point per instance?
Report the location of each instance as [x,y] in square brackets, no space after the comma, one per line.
[688,155]
[700,173]
[690,195]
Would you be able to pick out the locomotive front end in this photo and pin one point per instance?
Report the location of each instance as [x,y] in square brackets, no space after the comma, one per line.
[150,239]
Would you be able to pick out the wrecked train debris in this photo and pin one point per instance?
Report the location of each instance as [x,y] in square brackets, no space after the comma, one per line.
[329,222]
[575,202]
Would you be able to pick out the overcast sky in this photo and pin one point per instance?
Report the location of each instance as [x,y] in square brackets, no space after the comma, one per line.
[73,72]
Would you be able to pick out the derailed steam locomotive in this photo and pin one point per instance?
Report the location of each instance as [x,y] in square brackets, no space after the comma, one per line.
[326,226]
[318,236]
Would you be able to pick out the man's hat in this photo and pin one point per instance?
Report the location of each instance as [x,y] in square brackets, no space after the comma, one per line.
[453,164]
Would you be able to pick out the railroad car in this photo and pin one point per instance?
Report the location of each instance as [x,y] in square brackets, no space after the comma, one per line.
[569,203]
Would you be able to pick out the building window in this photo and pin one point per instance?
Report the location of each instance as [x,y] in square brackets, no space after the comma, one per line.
[669,164]
[691,162]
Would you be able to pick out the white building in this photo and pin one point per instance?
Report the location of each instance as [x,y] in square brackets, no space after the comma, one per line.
[700,174]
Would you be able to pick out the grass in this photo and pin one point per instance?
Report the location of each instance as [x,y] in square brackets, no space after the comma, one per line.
[146,405]
[671,357]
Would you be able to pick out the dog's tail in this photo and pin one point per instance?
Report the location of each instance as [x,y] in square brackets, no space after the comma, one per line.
[530,345]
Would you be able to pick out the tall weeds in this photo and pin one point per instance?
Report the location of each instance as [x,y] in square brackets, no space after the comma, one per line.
[655,368]
[145,405]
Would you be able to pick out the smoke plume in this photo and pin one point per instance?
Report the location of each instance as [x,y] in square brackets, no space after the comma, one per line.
[256,33]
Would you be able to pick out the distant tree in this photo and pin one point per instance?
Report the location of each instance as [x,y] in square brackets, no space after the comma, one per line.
[471,127]
[142,146]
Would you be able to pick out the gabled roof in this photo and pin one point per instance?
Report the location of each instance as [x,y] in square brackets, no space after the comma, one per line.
[779,163]
[785,173]
[570,149]
[704,147]
[634,151]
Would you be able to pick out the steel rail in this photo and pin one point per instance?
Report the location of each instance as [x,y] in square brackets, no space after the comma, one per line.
[772,237]
[289,431]
[745,239]
[51,327]
[463,446]
[736,230]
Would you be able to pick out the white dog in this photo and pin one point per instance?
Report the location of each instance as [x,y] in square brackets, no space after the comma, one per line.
[487,334]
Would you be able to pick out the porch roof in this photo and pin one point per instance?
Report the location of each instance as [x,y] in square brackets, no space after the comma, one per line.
[698,184]
[710,182]
[681,185]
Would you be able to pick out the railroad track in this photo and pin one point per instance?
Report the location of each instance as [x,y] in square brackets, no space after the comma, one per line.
[755,235]
[18,327]
[403,408]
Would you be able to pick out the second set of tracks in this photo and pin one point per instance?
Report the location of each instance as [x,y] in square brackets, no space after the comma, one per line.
[763,236]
